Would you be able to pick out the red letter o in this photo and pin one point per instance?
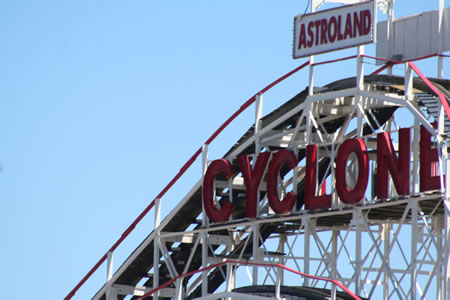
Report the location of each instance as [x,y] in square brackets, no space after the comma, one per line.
[280,158]
[358,147]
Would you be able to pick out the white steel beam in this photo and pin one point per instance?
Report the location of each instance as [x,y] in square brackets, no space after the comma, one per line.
[440,30]
[255,232]
[191,256]
[415,158]
[281,261]
[387,246]
[416,113]
[156,266]
[446,246]
[204,237]
[412,266]
[334,257]
[156,244]
[111,294]
[179,289]
[381,256]
[258,123]
[109,266]
[358,262]
[332,95]
[121,289]
[189,238]
[408,82]
[311,76]
[168,260]
[232,295]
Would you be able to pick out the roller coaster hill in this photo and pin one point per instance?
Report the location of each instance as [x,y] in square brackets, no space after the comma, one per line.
[339,193]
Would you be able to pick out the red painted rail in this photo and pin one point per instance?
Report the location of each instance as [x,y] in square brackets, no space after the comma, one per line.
[235,262]
[391,62]
[441,96]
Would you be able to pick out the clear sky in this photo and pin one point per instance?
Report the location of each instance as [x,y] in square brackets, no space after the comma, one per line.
[101,103]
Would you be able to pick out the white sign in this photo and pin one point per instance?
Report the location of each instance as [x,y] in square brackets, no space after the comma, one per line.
[334,29]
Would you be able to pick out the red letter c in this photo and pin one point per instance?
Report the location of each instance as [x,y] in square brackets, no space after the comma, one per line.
[220,166]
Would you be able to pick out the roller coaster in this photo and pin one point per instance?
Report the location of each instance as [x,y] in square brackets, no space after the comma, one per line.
[347,232]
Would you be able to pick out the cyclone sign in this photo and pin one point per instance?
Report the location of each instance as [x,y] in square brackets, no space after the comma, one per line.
[388,162]
[334,29]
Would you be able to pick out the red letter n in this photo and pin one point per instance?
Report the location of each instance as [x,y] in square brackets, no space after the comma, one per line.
[387,162]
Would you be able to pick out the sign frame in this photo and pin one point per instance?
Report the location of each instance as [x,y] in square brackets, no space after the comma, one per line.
[347,26]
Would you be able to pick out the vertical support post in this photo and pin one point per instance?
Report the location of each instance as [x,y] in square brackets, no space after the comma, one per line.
[204,263]
[386,241]
[437,230]
[440,74]
[360,86]
[408,82]
[295,179]
[258,116]
[311,67]
[109,266]
[306,249]
[447,226]
[231,279]
[255,230]
[204,158]
[308,108]
[278,283]
[204,168]
[334,258]
[390,33]
[414,233]
[204,235]
[157,212]
[440,67]
[358,265]
[447,252]
[179,289]
[447,245]
[311,76]
[359,116]
[334,195]
[156,242]
[360,68]
[442,143]
[415,158]
[111,291]
[280,271]
[258,125]
[389,70]
[156,265]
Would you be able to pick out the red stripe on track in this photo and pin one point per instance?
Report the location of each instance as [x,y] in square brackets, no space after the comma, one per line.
[339,284]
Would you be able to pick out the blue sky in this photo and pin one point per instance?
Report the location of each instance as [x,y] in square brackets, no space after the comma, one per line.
[101,103]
